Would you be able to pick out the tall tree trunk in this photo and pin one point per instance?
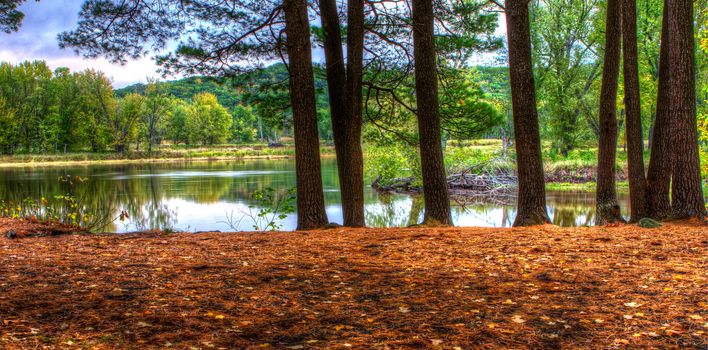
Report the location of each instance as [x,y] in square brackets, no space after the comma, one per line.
[310,198]
[531,205]
[435,189]
[344,87]
[608,210]
[661,162]
[354,213]
[686,193]
[633,133]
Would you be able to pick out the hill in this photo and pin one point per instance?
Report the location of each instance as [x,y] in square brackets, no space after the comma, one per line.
[241,89]
[231,91]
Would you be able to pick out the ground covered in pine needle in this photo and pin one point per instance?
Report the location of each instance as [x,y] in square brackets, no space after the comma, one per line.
[453,288]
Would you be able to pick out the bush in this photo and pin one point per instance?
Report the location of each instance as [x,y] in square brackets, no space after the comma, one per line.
[391,162]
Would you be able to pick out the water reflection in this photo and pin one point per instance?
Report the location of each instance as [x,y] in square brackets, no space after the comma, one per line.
[197,196]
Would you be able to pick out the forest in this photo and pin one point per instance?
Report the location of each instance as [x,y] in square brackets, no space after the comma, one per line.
[402,124]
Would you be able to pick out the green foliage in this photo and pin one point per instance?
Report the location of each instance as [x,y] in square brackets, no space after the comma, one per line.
[153,119]
[124,121]
[387,163]
[465,111]
[565,37]
[479,159]
[44,112]
[71,208]
[207,122]
[176,123]
[10,16]
[259,101]
[269,208]
[648,223]
[244,127]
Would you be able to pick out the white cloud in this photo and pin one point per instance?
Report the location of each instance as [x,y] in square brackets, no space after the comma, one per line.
[37,40]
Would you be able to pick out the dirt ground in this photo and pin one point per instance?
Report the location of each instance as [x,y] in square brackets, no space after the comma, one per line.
[438,288]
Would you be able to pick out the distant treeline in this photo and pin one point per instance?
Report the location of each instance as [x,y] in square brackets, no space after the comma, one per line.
[45,111]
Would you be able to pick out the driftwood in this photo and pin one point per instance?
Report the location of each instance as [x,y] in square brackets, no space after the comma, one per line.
[398,185]
[466,187]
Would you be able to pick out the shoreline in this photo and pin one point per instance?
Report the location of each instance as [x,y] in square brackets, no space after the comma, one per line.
[136,161]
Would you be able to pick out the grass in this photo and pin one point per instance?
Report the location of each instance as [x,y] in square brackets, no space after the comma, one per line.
[168,152]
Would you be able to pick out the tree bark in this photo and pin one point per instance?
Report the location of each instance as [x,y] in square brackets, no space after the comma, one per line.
[608,210]
[355,73]
[435,189]
[344,87]
[633,133]
[310,197]
[661,162]
[686,193]
[531,205]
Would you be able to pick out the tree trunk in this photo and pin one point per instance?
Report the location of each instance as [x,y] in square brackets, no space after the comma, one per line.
[344,87]
[661,162]
[435,189]
[633,118]
[355,72]
[608,210]
[686,193]
[531,205]
[310,197]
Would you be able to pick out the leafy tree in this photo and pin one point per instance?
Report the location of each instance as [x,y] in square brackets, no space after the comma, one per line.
[466,107]
[156,109]
[176,125]
[98,113]
[244,126]
[207,122]
[25,89]
[124,121]
[67,109]
[565,43]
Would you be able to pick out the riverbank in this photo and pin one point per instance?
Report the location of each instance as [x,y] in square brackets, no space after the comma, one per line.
[165,154]
[438,288]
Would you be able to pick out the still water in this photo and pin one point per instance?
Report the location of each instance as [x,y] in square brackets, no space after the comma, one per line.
[199,196]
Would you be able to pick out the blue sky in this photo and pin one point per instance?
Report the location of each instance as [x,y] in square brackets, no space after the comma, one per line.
[37,40]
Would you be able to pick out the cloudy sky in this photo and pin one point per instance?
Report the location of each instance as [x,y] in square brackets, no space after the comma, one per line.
[37,40]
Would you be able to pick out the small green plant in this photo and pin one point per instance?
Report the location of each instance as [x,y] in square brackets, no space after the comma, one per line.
[71,208]
[269,208]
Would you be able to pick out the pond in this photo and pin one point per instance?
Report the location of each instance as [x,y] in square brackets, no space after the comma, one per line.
[200,196]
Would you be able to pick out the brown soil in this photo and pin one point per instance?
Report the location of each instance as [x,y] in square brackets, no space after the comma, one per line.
[439,288]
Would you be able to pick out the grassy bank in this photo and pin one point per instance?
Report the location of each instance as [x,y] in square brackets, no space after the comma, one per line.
[163,153]
[424,288]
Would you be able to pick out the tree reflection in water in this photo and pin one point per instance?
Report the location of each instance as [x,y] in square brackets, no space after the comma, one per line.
[197,195]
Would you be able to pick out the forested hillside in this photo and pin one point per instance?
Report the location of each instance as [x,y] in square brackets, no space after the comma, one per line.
[241,89]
